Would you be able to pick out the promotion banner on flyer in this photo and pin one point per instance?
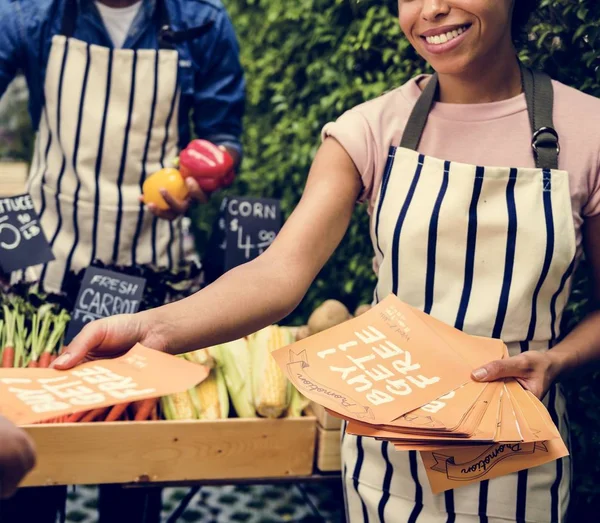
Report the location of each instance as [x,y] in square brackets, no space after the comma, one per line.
[32,395]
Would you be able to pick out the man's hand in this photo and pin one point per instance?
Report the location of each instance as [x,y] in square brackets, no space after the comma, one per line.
[178,207]
[535,371]
[17,457]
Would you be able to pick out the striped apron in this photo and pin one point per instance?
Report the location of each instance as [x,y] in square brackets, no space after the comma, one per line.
[491,251]
[110,119]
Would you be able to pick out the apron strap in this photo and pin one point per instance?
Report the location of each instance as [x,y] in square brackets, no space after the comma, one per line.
[539,95]
[69,18]
[418,117]
[540,103]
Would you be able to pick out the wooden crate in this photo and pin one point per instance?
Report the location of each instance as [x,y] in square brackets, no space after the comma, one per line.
[328,457]
[325,420]
[172,451]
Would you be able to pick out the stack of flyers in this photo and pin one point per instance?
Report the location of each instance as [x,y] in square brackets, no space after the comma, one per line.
[399,375]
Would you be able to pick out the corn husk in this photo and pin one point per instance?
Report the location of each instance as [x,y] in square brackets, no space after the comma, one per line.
[271,389]
[236,366]
[298,404]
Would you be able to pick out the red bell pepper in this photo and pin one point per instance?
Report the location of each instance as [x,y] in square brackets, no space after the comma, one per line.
[211,166]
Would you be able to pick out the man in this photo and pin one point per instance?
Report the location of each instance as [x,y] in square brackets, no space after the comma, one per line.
[114,86]
[117,88]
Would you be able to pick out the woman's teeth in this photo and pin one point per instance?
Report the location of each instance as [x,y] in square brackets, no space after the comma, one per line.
[446,37]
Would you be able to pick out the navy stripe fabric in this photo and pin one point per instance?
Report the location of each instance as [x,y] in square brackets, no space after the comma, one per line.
[432,241]
[75,157]
[400,223]
[554,490]
[521,496]
[387,481]
[483,500]
[115,256]
[414,472]
[46,154]
[64,160]
[360,457]
[98,166]
[471,246]
[138,227]
[162,162]
[449,499]
[509,262]
[384,185]
[549,250]
[563,282]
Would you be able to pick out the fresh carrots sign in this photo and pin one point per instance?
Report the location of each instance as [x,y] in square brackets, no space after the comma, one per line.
[33,395]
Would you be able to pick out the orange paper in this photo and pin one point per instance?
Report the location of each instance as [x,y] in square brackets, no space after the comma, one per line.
[33,395]
[375,367]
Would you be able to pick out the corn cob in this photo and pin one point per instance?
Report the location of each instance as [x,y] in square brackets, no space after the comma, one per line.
[179,406]
[235,362]
[210,396]
[271,388]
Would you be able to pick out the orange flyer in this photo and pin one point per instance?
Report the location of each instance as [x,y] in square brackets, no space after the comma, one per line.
[32,395]
[375,367]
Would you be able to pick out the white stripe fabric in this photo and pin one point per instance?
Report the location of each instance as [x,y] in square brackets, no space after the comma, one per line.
[110,120]
[491,251]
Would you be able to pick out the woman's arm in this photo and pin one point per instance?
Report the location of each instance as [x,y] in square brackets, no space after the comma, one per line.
[252,295]
[536,371]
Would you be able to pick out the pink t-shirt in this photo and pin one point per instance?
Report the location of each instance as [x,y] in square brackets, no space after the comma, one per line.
[490,134]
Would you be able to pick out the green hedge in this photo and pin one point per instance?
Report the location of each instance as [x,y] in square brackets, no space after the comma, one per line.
[309,60]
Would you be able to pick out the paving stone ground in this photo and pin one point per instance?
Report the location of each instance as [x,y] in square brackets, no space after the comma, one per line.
[300,503]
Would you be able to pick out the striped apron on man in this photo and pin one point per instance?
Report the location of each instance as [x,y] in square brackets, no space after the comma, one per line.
[490,251]
[110,119]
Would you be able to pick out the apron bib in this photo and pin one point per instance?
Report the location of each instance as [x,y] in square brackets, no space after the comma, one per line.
[491,251]
[110,119]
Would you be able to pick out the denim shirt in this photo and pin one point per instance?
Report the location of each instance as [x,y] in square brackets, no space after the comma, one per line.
[210,75]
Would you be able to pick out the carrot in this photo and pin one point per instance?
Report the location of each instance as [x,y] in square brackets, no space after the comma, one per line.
[32,364]
[45,359]
[8,356]
[144,409]
[117,412]
[77,416]
[94,415]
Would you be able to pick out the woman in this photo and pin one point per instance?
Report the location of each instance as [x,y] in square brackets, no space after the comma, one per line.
[489,250]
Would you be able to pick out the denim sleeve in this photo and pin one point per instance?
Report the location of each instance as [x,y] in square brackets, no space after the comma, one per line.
[11,42]
[219,87]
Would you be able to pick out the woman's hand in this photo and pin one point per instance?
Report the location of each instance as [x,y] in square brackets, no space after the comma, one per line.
[109,338]
[178,207]
[535,371]
[17,457]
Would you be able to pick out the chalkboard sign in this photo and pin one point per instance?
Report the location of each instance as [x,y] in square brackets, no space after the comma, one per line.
[104,293]
[252,224]
[22,241]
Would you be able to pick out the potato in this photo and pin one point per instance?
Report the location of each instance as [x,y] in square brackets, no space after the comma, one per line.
[361,309]
[302,333]
[329,314]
